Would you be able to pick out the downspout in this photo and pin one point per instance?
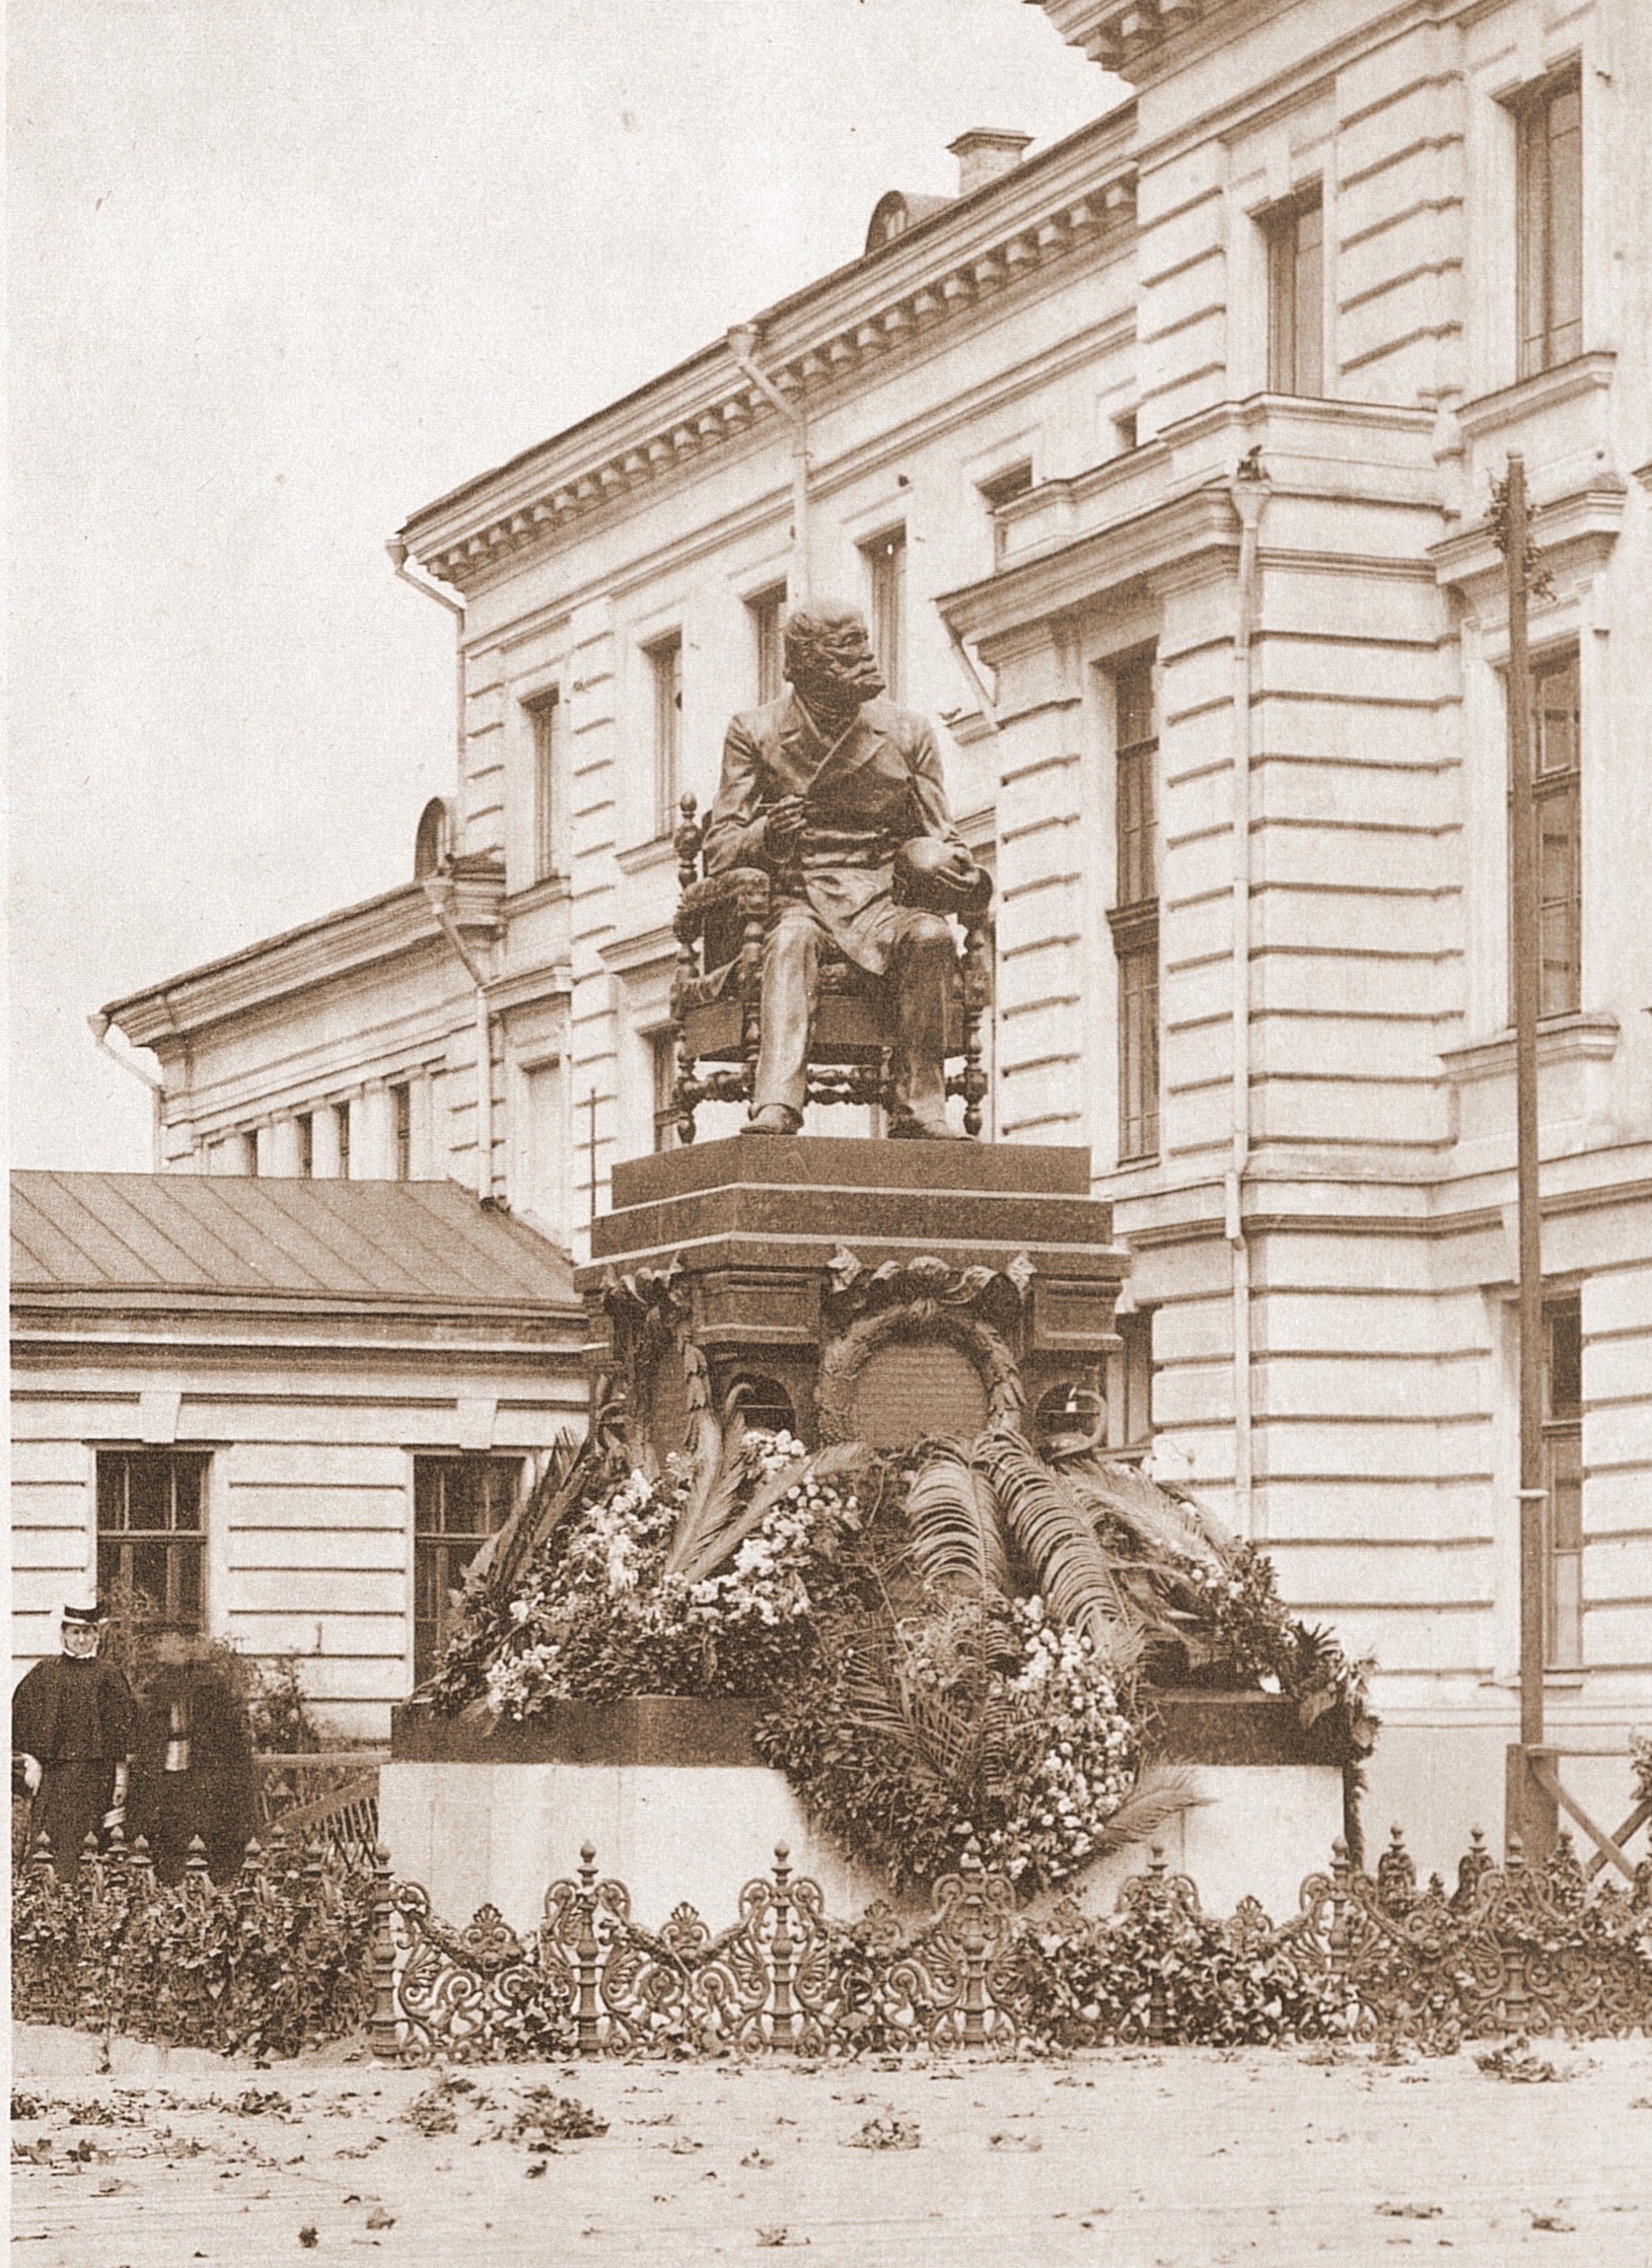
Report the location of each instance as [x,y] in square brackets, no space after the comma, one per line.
[98,1026]
[438,889]
[1248,491]
[743,345]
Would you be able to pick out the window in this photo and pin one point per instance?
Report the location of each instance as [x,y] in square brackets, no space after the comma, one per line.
[1562,1444]
[305,1145]
[1135,915]
[1003,489]
[1557,812]
[664,1048]
[1124,432]
[546,716]
[1296,297]
[458,1502]
[1130,1389]
[1550,124]
[151,1530]
[664,663]
[342,1113]
[401,1098]
[768,611]
[885,566]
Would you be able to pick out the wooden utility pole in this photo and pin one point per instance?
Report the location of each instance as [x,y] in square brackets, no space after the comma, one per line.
[1529,1808]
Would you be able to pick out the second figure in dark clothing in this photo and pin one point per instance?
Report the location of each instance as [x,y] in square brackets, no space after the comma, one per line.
[193,1774]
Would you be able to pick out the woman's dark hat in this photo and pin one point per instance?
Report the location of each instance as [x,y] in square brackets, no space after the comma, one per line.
[85,1618]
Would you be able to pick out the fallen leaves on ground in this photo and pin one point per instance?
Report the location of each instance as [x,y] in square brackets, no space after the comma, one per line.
[1516,2060]
[886,2134]
[1411,2211]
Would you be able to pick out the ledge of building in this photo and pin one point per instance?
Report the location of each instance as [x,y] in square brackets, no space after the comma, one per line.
[1560,1040]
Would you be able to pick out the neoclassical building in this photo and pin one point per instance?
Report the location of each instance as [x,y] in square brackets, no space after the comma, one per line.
[1161,460]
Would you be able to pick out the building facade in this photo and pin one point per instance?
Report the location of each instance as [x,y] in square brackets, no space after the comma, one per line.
[287,1412]
[1162,462]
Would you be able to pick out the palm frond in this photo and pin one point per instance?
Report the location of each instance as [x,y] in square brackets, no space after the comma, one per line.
[1164,1522]
[724,1535]
[1163,1792]
[568,1465]
[719,1470]
[1051,1528]
[954,1522]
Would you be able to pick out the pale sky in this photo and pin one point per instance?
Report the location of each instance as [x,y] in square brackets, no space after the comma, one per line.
[285,270]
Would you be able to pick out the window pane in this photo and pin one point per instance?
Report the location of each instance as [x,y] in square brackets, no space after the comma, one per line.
[1557,705]
[665,662]
[111,1491]
[149,1493]
[1133,699]
[149,1575]
[186,1491]
[886,560]
[1310,269]
[1563,1397]
[547,722]
[768,618]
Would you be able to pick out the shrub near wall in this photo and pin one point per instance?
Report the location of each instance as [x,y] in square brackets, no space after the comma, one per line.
[276,1961]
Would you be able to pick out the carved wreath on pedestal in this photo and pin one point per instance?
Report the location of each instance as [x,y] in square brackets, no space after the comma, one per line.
[916,1302]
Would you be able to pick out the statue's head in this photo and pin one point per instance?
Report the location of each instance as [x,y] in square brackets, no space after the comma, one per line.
[830,658]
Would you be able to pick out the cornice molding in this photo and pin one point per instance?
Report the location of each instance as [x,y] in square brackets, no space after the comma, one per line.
[1094,567]
[1512,404]
[324,951]
[1014,234]
[1131,36]
[1575,534]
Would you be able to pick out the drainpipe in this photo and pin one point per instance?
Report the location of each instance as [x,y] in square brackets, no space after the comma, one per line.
[398,553]
[743,345]
[98,1026]
[1248,491]
[438,890]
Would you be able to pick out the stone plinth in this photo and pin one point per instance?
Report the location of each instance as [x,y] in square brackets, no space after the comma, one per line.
[877,1290]
[679,1809]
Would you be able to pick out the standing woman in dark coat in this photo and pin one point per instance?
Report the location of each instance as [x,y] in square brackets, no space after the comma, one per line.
[193,1774]
[74,1727]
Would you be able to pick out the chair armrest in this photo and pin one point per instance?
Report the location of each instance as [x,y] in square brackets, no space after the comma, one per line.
[744,891]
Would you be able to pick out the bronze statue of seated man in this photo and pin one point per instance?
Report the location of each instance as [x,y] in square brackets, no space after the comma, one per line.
[830,790]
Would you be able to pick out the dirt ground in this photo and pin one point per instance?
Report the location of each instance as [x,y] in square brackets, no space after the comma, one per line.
[1187,2159]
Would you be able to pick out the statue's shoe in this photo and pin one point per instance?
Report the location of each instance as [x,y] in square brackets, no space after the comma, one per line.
[772,1118]
[926,1130]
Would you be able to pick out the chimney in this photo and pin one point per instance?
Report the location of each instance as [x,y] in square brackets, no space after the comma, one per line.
[983,153]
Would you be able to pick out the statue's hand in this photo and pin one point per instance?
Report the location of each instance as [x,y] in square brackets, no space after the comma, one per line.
[940,868]
[783,824]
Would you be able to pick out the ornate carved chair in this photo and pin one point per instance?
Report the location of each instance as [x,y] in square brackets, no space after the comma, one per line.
[716,996]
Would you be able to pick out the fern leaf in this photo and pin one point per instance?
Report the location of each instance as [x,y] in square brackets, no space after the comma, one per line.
[1162,1792]
[953,1522]
[1163,1522]
[718,1467]
[1052,1530]
[568,1468]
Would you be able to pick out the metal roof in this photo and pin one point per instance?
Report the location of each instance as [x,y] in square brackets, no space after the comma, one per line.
[424,1241]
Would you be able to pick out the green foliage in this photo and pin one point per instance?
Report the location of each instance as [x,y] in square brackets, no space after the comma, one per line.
[269,1688]
[272,1962]
[951,1647]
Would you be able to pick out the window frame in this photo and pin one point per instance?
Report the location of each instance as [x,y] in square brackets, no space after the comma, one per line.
[662,1054]
[886,560]
[436,1547]
[1554,787]
[1543,340]
[766,611]
[117,1545]
[664,656]
[1564,1540]
[545,726]
[1296,355]
[1134,919]
[1130,1370]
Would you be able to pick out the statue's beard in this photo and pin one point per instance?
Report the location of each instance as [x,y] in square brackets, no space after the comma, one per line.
[835,694]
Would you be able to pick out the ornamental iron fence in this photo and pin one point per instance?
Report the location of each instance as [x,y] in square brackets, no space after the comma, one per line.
[1366,1957]
[304,1944]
